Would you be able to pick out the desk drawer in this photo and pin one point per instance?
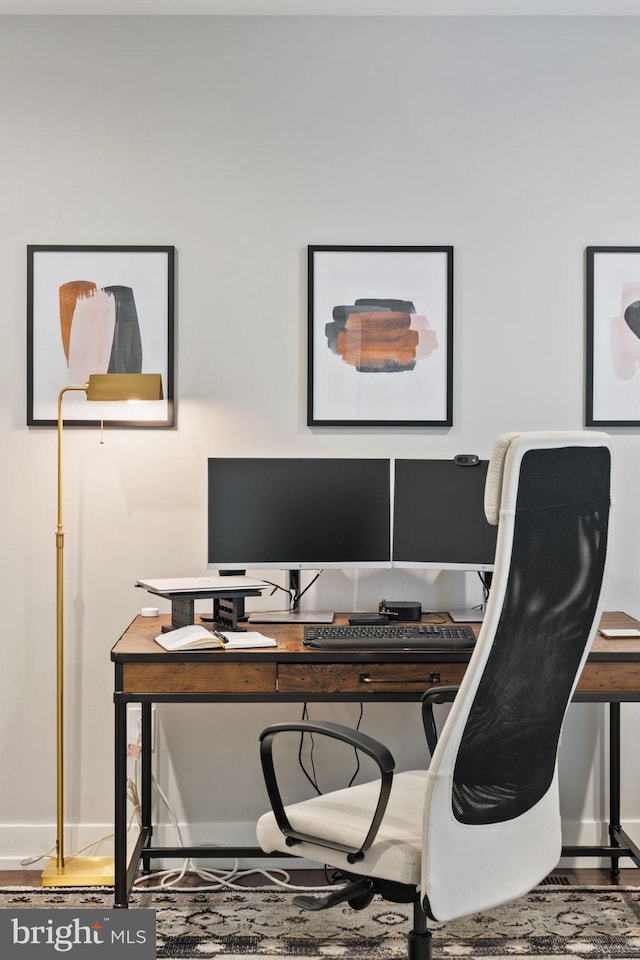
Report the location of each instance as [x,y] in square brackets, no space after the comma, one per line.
[366,678]
[212,677]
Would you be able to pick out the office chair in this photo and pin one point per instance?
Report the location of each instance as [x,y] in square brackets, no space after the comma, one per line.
[480,826]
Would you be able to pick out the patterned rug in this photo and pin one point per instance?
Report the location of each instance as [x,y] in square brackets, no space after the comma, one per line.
[258,922]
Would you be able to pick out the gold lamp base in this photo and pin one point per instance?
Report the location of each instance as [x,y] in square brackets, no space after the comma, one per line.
[79,872]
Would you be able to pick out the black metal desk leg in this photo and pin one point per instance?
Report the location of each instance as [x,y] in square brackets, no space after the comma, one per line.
[145,777]
[120,817]
[614,783]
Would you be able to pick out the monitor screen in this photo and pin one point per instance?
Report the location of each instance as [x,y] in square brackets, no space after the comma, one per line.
[298,513]
[439,520]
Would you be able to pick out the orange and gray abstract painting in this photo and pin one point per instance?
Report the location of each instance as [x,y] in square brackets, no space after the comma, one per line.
[99,329]
[380,335]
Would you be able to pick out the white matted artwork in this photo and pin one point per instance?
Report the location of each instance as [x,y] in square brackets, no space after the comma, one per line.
[613,337]
[98,309]
[380,348]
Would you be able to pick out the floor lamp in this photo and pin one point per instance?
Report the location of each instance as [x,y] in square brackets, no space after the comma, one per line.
[82,871]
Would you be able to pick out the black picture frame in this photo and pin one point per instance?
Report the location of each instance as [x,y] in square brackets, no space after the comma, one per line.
[612,372]
[99,309]
[380,336]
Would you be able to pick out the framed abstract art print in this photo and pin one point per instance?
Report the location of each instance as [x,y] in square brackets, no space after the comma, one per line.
[98,309]
[380,328]
[613,337]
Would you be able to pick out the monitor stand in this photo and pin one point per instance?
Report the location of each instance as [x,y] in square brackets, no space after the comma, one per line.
[475,615]
[294,614]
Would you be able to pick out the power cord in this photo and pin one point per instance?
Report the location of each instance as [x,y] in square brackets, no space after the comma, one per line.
[51,852]
[311,776]
[28,861]
[485,579]
[216,879]
[294,599]
[132,796]
[276,587]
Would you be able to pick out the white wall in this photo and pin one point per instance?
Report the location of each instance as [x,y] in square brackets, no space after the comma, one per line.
[241,141]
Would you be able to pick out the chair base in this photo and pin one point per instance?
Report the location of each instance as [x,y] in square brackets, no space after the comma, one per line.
[359,893]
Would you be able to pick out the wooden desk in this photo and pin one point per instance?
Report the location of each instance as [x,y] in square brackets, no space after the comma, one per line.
[145,673]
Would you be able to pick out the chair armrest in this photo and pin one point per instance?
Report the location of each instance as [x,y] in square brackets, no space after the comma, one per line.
[431,696]
[360,741]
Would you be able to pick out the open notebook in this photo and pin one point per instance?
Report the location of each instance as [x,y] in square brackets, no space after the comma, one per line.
[195,637]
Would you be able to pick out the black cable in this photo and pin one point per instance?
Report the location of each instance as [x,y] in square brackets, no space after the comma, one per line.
[311,777]
[293,599]
[485,580]
[357,752]
[297,599]
[276,587]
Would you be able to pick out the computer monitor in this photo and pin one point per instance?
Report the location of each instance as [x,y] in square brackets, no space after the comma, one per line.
[320,513]
[297,514]
[438,517]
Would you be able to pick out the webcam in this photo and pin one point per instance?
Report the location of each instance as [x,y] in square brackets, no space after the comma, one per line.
[466,460]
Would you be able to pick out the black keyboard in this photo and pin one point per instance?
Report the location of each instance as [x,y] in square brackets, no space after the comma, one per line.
[424,636]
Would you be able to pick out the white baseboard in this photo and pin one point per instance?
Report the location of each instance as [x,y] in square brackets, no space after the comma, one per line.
[29,846]
[23,842]
[592,833]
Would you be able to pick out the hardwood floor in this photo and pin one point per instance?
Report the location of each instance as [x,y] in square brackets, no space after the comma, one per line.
[592,877]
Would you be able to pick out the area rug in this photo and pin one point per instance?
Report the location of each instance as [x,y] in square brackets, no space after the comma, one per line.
[259,922]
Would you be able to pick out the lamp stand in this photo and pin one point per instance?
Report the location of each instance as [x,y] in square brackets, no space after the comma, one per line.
[82,871]
[75,871]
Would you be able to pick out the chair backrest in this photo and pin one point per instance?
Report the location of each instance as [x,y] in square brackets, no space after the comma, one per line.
[492,819]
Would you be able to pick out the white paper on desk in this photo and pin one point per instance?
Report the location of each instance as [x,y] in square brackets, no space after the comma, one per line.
[238,641]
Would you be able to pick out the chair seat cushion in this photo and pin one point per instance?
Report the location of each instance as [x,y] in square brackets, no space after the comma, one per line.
[344,817]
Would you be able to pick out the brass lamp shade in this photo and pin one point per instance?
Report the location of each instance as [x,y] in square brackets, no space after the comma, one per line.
[83,871]
[124,386]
